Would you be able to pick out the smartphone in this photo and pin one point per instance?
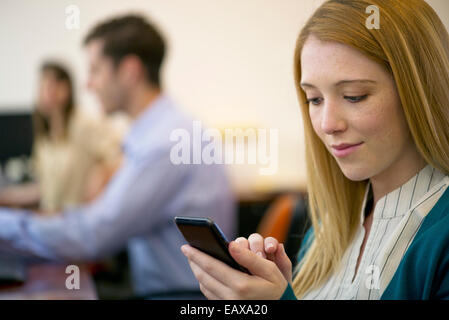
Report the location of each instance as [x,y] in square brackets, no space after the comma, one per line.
[203,234]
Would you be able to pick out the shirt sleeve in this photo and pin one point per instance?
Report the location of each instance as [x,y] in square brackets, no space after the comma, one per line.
[288,294]
[131,205]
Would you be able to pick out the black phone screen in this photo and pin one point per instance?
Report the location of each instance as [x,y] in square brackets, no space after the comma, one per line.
[203,234]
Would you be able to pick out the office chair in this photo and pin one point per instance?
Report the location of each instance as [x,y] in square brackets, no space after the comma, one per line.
[287,221]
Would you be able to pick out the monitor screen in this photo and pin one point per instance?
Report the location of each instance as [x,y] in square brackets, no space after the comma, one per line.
[16,142]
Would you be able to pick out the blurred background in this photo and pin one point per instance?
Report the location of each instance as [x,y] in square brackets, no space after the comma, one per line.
[229,64]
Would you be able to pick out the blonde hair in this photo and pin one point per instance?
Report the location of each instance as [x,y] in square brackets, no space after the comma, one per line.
[412,44]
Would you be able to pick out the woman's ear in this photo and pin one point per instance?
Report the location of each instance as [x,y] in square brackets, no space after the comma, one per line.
[131,70]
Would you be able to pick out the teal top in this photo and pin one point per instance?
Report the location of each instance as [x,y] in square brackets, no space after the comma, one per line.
[424,270]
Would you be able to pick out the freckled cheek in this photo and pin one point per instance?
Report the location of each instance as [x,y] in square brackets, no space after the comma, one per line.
[380,132]
[316,124]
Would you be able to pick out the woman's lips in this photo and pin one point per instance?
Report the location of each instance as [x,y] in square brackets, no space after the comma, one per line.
[345,151]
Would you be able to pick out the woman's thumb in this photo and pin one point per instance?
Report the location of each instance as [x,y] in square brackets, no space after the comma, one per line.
[256,265]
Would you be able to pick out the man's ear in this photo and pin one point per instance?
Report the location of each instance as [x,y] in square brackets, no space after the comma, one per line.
[131,70]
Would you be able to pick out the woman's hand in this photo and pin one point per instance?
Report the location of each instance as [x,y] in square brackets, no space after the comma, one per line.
[24,195]
[270,249]
[219,281]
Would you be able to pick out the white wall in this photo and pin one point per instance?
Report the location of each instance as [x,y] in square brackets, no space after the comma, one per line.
[229,61]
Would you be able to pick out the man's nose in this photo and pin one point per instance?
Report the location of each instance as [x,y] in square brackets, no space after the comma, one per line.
[332,119]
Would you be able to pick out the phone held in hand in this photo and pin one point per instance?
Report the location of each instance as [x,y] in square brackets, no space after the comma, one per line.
[205,235]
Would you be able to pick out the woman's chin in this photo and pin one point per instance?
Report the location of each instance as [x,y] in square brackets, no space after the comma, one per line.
[355,174]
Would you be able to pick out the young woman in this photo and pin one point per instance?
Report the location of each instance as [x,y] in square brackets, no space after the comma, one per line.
[74,154]
[376,118]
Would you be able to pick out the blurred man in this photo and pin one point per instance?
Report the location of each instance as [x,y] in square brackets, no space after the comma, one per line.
[137,208]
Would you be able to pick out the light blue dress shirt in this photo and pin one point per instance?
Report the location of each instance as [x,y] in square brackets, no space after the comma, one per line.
[136,210]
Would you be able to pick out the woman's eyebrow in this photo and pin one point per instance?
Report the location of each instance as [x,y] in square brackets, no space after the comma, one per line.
[305,84]
[352,81]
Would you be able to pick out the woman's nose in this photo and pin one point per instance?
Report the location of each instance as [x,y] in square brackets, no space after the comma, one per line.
[332,119]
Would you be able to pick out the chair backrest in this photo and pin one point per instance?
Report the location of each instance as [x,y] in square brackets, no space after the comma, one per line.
[276,221]
[287,220]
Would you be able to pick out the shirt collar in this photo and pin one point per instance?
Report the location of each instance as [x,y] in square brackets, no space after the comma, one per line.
[399,201]
[144,125]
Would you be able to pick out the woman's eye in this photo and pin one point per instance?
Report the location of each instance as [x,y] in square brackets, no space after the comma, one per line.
[355,99]
[315,101]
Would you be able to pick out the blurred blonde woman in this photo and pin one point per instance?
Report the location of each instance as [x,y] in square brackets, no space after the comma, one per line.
[375,109]
[74,152]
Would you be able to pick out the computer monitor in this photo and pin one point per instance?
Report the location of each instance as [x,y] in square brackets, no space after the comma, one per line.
[13,270]
[16,143]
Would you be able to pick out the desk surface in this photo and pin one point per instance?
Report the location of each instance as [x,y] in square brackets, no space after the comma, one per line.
[48,282]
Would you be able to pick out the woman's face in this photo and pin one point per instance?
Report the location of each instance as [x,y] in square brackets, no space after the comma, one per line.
[353,100]
[53,93]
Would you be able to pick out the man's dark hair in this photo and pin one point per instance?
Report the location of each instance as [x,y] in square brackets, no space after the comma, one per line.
[131,34]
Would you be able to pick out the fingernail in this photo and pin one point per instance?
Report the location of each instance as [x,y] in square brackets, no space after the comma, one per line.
[259,253]
[235,247]
[238,240]
[270,245]
[184,249]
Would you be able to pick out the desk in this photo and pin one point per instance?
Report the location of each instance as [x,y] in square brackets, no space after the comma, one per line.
[47,282]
